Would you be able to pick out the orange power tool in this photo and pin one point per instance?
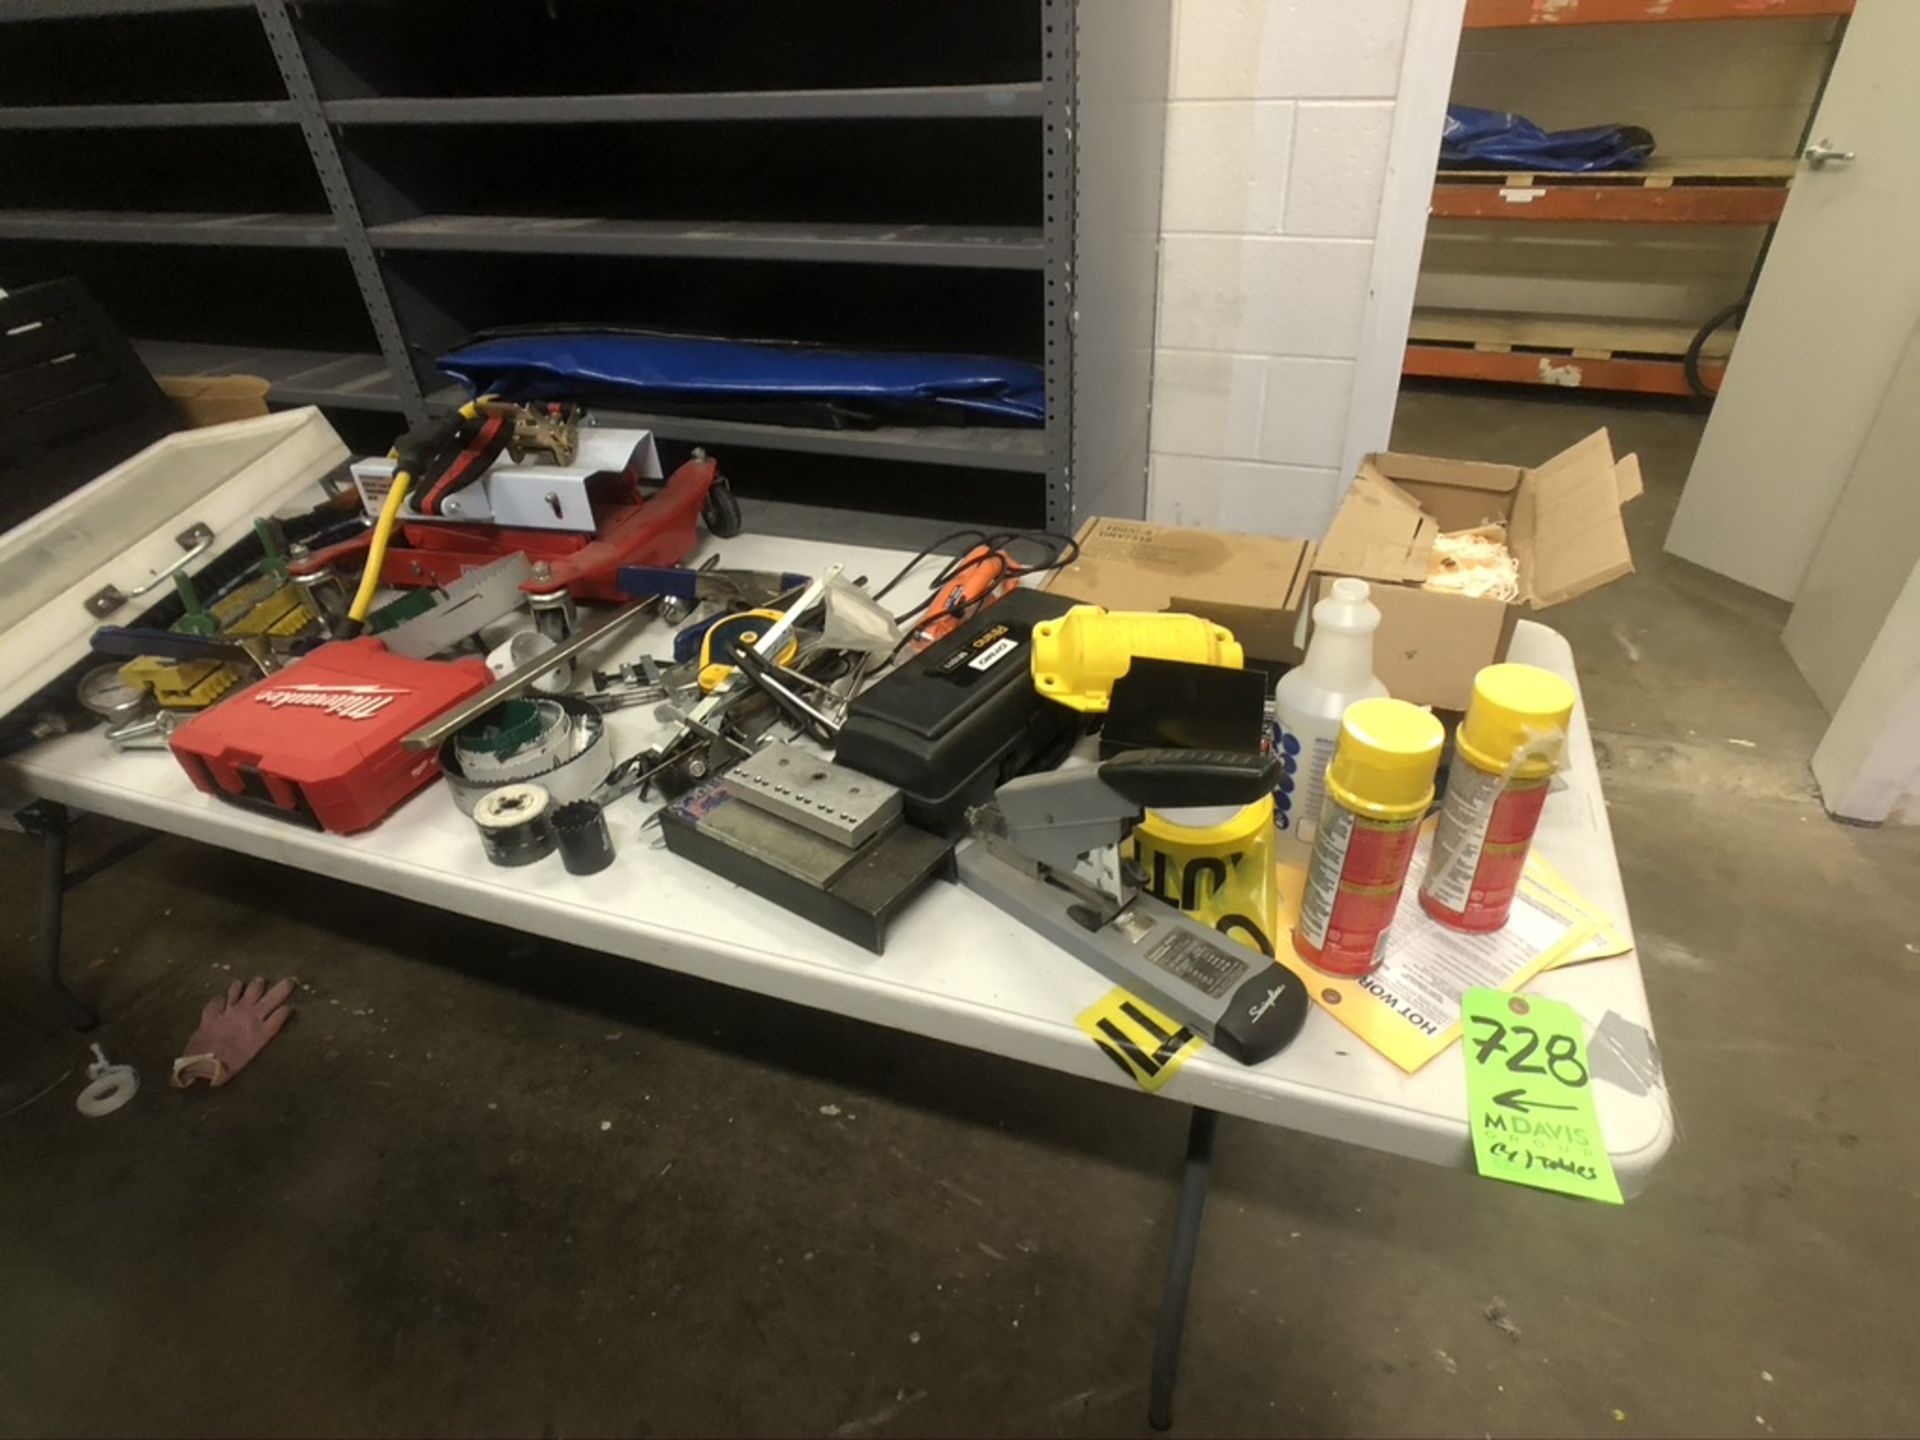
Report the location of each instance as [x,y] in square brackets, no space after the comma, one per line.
[983,577]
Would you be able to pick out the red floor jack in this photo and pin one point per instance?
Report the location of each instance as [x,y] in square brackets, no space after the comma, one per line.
[542,481]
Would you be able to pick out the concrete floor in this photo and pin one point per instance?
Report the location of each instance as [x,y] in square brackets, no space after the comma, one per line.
[484,1185]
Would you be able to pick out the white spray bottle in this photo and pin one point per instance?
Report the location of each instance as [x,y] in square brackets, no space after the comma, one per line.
[1307,706]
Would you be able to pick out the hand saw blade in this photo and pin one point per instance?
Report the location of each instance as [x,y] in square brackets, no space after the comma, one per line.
[476,599]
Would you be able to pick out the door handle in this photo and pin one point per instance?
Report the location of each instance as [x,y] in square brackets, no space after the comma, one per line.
[1821,154]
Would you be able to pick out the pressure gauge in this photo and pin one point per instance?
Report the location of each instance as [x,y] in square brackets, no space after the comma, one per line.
[104,693]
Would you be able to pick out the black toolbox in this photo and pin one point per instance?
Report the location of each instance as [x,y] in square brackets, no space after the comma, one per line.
[963,716]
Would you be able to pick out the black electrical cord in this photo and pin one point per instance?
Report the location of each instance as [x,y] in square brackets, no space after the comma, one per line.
[921,556]
[1064,547]
[1065,551]
[952,571]
[1697,382]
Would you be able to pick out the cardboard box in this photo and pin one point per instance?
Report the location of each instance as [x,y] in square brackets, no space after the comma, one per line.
[216,399]
[1255,585]
[1563,525]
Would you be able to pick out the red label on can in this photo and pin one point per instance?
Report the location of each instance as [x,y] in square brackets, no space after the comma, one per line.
[1353,887]
[1482,898]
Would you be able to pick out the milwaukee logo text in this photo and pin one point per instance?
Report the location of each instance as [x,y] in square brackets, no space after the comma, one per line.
[349,702]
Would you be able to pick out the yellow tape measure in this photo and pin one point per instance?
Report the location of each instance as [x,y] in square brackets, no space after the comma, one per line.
[731,631]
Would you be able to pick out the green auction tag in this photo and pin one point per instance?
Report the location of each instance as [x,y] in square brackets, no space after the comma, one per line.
[1530,1096]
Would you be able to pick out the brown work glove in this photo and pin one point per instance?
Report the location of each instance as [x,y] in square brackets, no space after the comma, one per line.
[234,1028]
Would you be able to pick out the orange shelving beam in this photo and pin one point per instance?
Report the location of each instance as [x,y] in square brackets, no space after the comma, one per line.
[1521,367]
[1623,204]
[1515,14]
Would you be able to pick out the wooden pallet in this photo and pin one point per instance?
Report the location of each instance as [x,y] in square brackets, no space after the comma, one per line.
[1639,357]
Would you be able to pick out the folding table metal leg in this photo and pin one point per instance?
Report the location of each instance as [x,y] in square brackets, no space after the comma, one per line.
[51,822]
[1186,1242]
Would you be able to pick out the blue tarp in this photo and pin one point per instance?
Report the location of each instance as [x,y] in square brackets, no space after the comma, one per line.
[700,372]
[1496,140]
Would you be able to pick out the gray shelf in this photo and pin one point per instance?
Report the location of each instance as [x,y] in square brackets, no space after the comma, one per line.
[161,227]
[927,102]
[295,377]
[980,247]
[976,447]
[193,114]
[87,9]
[364,382]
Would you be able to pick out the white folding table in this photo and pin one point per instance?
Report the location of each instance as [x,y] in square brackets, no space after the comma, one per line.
[955,968]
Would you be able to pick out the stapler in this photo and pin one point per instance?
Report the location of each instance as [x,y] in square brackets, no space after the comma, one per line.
[1047,852]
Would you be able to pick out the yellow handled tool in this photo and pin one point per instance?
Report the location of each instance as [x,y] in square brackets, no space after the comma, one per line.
[730,631]
[1077,658]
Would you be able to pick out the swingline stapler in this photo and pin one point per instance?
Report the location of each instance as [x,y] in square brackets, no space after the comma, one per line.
[1047,852]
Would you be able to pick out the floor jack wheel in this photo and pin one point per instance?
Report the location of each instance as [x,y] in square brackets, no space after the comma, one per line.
[721,510]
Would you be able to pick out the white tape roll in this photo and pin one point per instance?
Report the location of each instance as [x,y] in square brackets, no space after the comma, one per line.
[111,1087]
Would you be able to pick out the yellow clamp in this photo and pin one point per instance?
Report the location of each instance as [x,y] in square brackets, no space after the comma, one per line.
[181,684]
[1077,658]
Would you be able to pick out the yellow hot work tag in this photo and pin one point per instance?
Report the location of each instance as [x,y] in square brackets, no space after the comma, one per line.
[1146,1044]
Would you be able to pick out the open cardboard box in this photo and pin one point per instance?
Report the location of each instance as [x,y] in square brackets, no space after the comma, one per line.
[1563,526]
[1255,585]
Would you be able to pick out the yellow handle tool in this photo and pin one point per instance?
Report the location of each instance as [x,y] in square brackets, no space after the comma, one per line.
[1077,658]
[742,628]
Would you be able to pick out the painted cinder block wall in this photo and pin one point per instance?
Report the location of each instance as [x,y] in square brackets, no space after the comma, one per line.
[1292,211]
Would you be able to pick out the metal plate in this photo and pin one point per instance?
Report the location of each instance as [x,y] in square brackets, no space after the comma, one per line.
[474,601]
[828,799]
[773,841]
[854,893]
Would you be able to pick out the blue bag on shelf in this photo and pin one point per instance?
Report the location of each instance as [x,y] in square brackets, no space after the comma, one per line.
[777,382]
[1474,139]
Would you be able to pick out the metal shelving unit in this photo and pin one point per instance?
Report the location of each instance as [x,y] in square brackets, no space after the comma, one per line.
[158,115]
[909,102]
[984,247]
[80,9]
[144,227]
[975,176]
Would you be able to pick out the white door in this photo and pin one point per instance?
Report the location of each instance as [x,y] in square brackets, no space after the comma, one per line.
[1869,547]
[1836,301]
[1855,628]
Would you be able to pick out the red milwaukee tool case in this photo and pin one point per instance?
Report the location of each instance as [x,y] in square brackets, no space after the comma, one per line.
[320,740]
